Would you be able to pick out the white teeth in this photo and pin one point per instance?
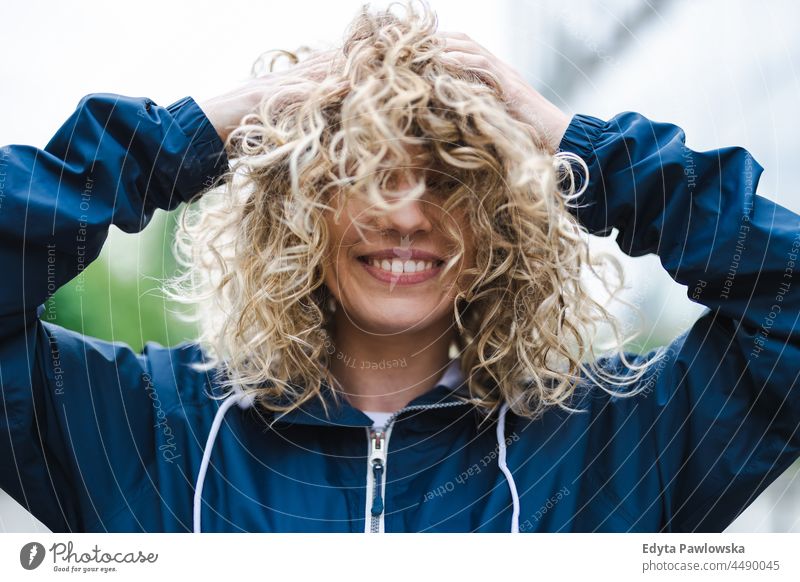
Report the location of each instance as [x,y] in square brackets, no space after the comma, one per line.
[398,266]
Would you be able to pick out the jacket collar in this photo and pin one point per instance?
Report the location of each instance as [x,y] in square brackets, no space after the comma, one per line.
[449,387]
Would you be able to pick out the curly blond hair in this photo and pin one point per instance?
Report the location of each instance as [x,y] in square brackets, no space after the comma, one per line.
[253,247]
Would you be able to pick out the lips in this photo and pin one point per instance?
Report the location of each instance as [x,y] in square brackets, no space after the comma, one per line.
[402,265]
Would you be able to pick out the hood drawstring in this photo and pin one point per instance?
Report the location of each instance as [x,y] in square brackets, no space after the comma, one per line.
[244,400]
[501,462]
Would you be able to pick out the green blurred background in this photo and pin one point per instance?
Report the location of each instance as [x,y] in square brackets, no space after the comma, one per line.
[118,297]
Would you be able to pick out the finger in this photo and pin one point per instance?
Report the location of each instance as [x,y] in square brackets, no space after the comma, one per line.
[304,70]
[320,65]
[462,43]
[462,46]
[468,60]
[453,34]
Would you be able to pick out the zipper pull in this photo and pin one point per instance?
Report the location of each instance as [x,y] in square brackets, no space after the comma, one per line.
[377,500]
[377,459]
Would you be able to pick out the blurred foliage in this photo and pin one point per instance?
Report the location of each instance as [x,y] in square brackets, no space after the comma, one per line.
[118,296]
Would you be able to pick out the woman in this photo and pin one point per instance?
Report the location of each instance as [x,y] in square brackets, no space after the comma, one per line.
[395,330]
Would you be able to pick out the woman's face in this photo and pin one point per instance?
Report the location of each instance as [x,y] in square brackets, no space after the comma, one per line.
[384,269]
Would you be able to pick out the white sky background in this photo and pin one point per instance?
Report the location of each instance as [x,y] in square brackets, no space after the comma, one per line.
[727,72]
[54,53]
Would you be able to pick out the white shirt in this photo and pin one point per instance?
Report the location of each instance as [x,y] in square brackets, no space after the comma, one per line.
[378,418]
[451,378]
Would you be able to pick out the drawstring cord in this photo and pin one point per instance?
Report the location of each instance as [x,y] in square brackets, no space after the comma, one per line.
[501,461]
[244,401]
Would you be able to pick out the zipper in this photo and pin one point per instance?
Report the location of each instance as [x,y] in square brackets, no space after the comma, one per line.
[378,441]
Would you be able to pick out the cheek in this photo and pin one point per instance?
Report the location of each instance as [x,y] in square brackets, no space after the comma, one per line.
[338,264]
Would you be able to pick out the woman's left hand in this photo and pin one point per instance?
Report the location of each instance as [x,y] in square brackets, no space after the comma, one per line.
[525,103]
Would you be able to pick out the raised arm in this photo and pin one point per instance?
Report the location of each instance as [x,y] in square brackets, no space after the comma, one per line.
[720,413]
[77,417]
[114,161]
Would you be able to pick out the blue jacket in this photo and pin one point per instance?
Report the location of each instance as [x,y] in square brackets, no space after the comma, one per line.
[96,437]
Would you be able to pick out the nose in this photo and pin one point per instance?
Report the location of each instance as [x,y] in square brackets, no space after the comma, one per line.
[407,216]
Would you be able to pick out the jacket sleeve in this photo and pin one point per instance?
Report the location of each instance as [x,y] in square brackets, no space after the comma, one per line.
[719,415]
[76,413]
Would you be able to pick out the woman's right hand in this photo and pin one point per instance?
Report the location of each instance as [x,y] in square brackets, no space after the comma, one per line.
[225,112]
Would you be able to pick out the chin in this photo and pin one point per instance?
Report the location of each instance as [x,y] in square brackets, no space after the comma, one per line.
[397,315]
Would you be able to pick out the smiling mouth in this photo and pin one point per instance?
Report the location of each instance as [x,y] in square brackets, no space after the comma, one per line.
[400,266]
